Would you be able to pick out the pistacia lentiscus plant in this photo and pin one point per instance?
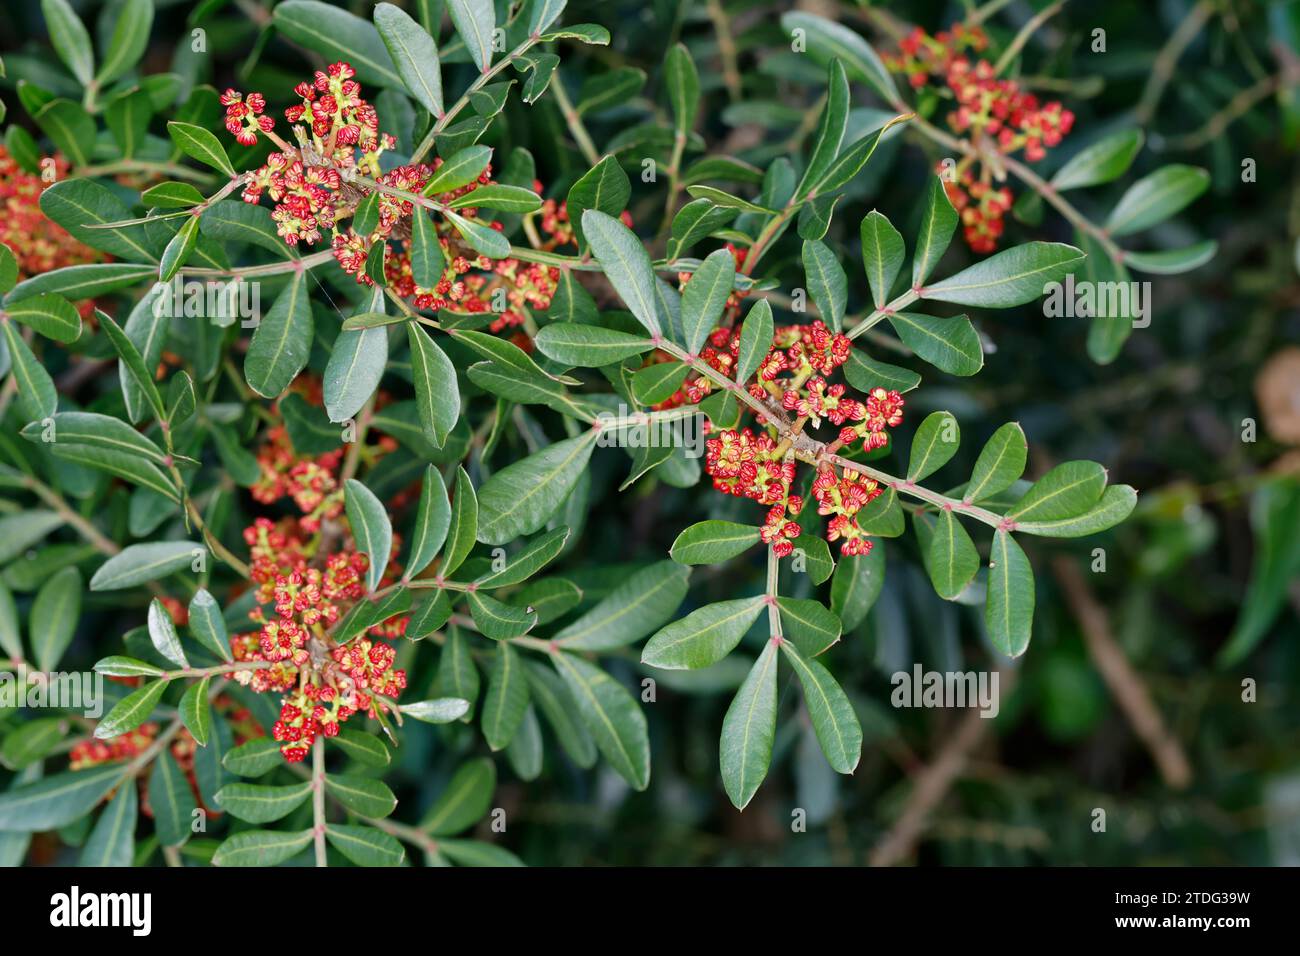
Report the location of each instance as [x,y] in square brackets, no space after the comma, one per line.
[335,515]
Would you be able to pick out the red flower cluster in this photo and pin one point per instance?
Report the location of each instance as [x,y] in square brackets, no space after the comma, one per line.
[755,466]
[310,482]
[995,115]
[38,244]
[310,579]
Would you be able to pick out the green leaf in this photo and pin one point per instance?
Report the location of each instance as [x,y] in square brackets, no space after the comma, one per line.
[436,393]
[826,39]
[864,374]
[1156,197]
[82,282]
[133,362]
[171,800]
[951,559]
[131,711]
[232,221]
[128,42]
[748,729]
[122,464]
[281,343]
[32,741]
[178,249]
[520,498]
[507,698]
[499,621]
[612,716]
[201,144]
[53,802]
[1009,613]
[365,846]
[262,847]
[694,221]
[705,296]
[834,722]
[856,584]
[704,636]
[70,128]
[363,748]
[1105,160]
[1173,261]
[54,617]
[256,803]
[9,269]
[459,169]
[465,801]
[658,381]
[1274,515]
[370,527]
[489,242]
[636,607]
[354,369]
[827,283]
[256,757]
[207,624]
[52,316]
[475,20]
[755,340]
[140,563]
[11,641]
[431,522]
[78,205]
[1000,464]
[414,53]
[830,129]
[625,263]
[463,530]
[950,344]
[117,666]
[112,842]
[427,258]
[1011,277]
[500,197]
[588,346]
[71,42]
[709,542]
[174,195]
[338,35]
[938,220]
[104,431]
[444,710]
[162,632]
[935,443]
[683,83]
[549,693]
[816,556]
[1115,504]
[535,555]
[809,624]
[20,531]
[882,255]
[370,798]
[37,397]
[195,713]
[1069,489]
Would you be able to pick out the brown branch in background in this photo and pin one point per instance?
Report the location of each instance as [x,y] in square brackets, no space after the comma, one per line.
[934,781]
[1162,70]
[1124,683]
[726,50]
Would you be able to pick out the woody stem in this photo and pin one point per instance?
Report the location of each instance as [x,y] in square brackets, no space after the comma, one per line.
[318,799]
[904,486]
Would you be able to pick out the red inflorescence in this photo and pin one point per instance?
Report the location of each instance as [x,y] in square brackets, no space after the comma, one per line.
[754,465]
[38,244]
[319,182]
[996,116]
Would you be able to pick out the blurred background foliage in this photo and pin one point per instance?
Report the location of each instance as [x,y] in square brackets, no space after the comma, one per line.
[1200,412]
